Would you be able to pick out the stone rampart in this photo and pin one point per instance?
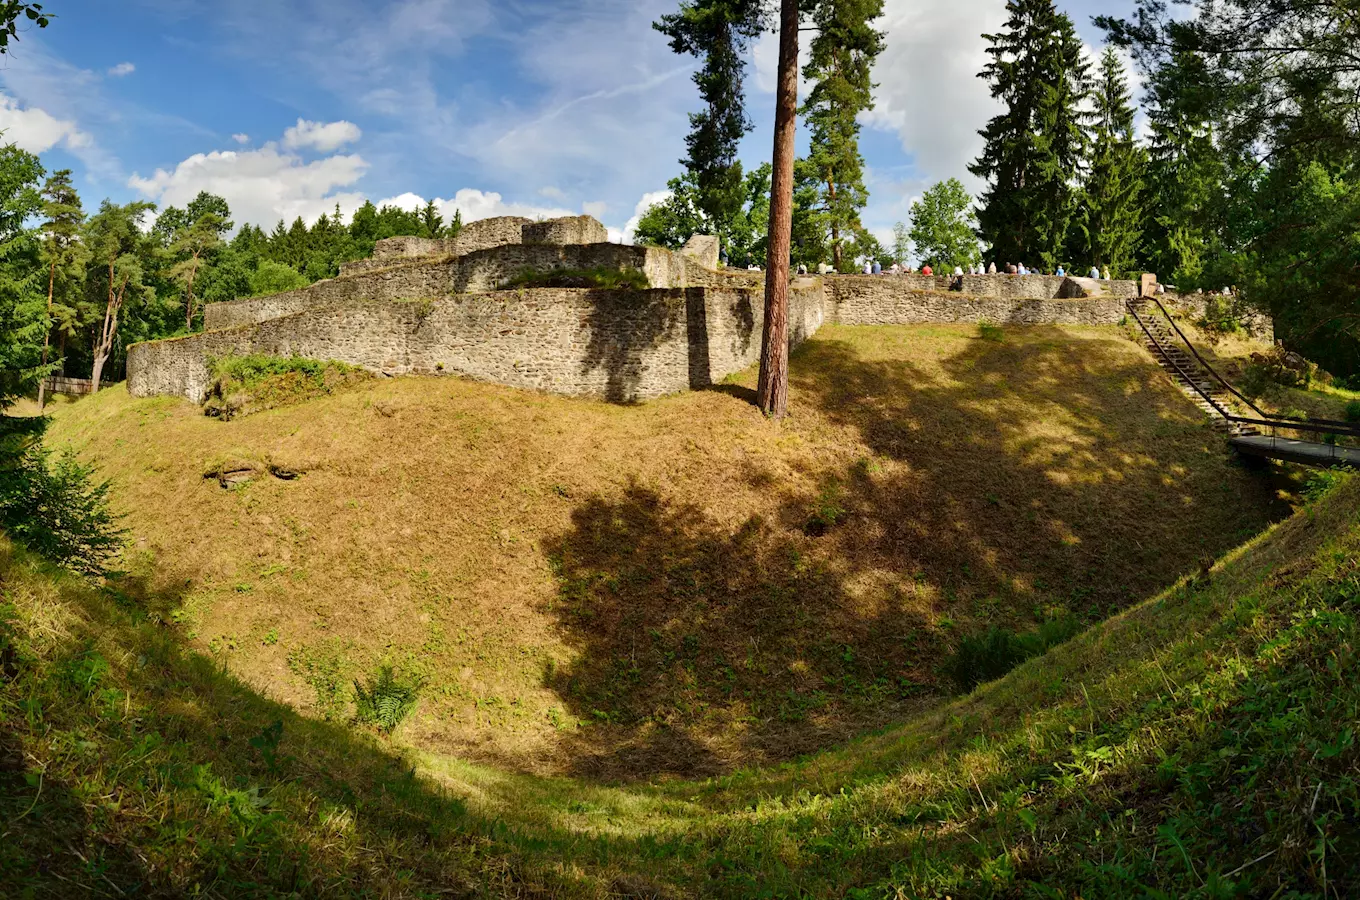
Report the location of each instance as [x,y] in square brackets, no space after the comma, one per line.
[891,305]
[617,345]
[571,230]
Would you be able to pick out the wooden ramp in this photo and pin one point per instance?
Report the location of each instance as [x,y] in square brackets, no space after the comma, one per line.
[1309,453]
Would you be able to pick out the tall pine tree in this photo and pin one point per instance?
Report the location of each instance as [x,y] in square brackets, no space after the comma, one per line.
[65,255]
[842,58]
[718,31]
[1035,148]
[1109,229]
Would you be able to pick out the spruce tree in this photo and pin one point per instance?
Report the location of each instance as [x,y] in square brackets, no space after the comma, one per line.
[842,58]
[718,31]
[1035,147]
[1186,170]
[1110,223]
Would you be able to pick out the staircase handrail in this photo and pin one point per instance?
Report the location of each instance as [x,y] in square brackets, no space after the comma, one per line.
[1322,426]
[1208,368]
[1194,383]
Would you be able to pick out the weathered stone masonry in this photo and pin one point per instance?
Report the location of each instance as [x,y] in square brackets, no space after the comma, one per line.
[423,306]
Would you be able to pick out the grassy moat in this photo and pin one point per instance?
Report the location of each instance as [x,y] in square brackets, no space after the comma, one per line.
[672,649]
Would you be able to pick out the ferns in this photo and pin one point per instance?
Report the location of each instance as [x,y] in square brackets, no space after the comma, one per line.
[386,700]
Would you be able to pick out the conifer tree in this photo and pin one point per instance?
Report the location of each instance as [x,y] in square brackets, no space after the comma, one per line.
[1035,147]
[718,31]
[1186,170]
[22,285]
[1110,222]
[65,256]
[842,58]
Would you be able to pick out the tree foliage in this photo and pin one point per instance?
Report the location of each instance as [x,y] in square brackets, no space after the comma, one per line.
[1036,146]
[719,32]
[1110,214]
[23,294]
[839,69]
[942,226]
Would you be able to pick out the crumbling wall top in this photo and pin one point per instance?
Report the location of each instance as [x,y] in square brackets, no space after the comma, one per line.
[566,231]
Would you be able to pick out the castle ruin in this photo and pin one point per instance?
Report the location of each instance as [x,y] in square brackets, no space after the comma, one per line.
[420,306]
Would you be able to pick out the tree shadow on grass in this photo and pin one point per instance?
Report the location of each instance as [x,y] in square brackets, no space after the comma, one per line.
[130,766]
[1041,477]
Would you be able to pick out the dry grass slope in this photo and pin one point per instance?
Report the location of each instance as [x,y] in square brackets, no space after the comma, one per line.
[677,588]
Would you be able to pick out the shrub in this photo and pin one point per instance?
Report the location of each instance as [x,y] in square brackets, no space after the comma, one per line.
[1323,482]
[988,656]
[601,277]
[275,278]
[1220,316]
[1352,411]
[386,700]
[827,510]
[1279,366]
[255,381]
[54,505]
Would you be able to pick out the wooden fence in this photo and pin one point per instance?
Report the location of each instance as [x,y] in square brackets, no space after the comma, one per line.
[78,386]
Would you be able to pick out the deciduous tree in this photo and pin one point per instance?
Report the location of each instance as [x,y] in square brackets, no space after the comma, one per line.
[941,226]
[120,252]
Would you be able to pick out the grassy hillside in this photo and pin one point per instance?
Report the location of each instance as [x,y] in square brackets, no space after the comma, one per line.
[1200,744]
[677,588]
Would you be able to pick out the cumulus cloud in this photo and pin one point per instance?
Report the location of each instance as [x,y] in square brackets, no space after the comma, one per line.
[123,68]
[241,138]
[475,204]
[647,202]
[262,185]
[36,130]
[323,137]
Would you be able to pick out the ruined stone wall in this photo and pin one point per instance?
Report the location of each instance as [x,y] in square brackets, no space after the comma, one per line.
[890,305]
[571,230]
[408,282]
[617,345]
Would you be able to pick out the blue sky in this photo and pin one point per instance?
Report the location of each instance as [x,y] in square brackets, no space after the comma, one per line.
[492,107]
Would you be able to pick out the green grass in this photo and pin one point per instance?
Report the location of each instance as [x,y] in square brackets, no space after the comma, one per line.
[601,277]
[1201,744]
[246,383]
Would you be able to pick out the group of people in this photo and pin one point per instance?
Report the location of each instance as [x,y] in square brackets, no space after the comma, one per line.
[874,267]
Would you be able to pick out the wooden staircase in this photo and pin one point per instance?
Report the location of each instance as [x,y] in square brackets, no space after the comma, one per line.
[1202,389]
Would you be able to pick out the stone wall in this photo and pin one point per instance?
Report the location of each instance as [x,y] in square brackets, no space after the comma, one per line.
[571,230]
[617,345]
[890,305]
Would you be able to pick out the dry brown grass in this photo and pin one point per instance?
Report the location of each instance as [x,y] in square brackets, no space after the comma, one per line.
[682,586]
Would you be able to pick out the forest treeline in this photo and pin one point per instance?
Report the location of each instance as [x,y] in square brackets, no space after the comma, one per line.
[129,272]
[1243,174]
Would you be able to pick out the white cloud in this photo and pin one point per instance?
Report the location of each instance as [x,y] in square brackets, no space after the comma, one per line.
[647,202]
[475,204]
[928,91]
[123,68]
[261,185]
[596,208]
[552,193]
[241,138]
[36,130]
[326,138]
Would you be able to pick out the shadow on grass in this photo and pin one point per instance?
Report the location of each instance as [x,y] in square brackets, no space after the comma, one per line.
[132,767]
[1041,476]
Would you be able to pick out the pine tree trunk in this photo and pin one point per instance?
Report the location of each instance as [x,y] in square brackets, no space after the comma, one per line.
[773,392]
[47,336]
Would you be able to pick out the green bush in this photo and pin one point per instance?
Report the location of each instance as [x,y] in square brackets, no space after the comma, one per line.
[386,700]
[988,656]
[275,278]
[1323,482]
[251,382]
[601,277]
[1353,411]
[53,504]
